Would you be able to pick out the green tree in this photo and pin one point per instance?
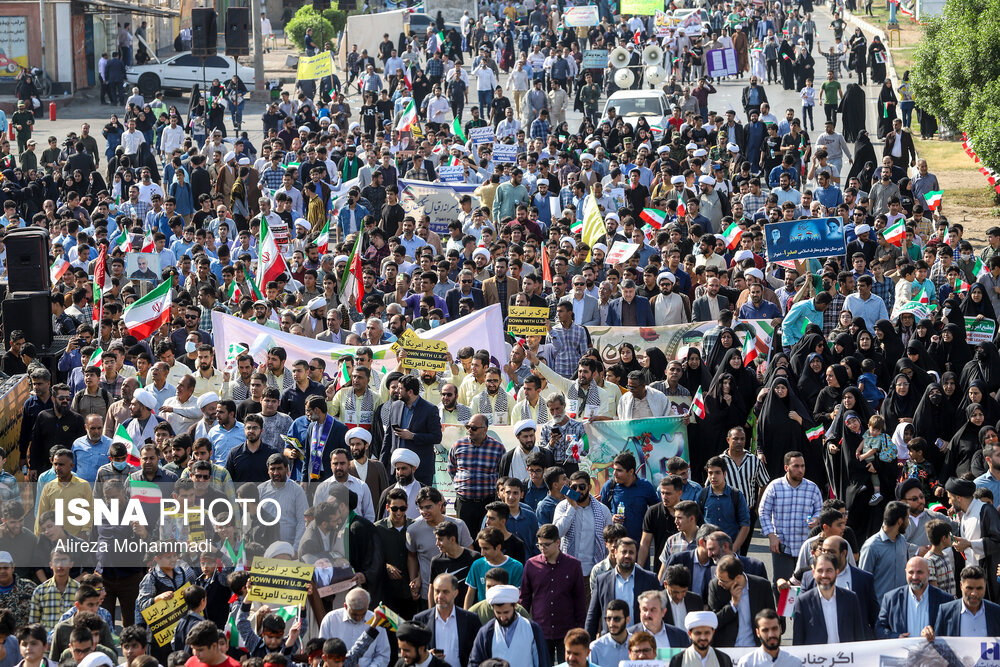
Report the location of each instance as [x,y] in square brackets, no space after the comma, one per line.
[326,26]
[956,72]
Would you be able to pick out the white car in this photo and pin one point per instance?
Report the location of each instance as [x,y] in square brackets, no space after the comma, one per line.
[183,70]
[631,104]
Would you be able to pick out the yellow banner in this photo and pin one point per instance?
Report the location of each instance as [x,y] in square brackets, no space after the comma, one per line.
[404,341]
[426,355]
[641,7]
[163,616]
[315,67]
[528,320]
[278,582]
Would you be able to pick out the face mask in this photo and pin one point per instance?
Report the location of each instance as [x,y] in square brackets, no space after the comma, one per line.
[435,323]
[120,466]
[190,346]
[965,257]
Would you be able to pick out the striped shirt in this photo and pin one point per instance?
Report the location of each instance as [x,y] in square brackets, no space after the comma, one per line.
[749,476]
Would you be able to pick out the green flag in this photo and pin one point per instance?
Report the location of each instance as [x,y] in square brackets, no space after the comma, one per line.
[456,129]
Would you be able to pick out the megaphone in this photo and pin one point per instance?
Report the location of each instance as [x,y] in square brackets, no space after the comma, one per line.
[624,78]
[619,57]
[652,55]
[655,75]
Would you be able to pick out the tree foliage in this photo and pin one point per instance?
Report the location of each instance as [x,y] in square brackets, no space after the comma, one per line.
[329,24]
[957,72]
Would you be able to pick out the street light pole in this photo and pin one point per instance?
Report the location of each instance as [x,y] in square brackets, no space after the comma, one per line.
[258,93]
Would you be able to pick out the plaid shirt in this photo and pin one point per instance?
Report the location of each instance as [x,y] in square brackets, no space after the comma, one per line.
[107,473]
[942,571]
[205,321]
[138,209]
[113,388]
[474,468]
[435,68]
[272,178]
[569,345]
[833,63]
[565,197]
[798,505]
[885,290]
[676,543]
[539,129]
[48,604]
[832,314]
[753,203]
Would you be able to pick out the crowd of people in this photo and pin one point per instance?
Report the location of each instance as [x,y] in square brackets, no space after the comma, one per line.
[862,440]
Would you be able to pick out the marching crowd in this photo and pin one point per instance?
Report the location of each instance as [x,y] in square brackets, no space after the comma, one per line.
[861,438]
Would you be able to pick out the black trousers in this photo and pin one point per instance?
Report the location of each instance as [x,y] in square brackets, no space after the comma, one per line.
[472,511]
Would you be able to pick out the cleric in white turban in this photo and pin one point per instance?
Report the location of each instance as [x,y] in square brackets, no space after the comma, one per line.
[509,635]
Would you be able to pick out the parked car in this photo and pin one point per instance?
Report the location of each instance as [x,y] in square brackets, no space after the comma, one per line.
[183,70]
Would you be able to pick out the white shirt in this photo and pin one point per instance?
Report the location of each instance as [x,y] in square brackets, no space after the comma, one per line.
[265,26]
[171,138]
[338,624]
[437,110]
[446,636]
[365,507]
[829,608]
[508,128]
[146,192]
[131,141]
[487,80]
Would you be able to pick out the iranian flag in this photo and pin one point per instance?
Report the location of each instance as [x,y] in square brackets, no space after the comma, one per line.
[408,78]
[147,242]
[816,432]
[270,263]
[546,269]
[234,292]
[132,449]
[95,359]
[978,267]
[576,227]
[456,129]
[698,404]
[923,298]
[95,316]
[786,601]
[732,235]
[895,233]
[963,287]
[409,117]
[749,349]
[323,240]
[58,269]
[352,288]
[637,37]
[124,241]
[149,313]
[343,377]
[144,492]
[654,216]
[933,199]
[681,208]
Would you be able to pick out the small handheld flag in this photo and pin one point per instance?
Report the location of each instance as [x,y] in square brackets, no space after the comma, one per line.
[698,404]
[732,236]
[815,432]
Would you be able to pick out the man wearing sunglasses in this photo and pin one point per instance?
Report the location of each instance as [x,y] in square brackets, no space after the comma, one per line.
[578,512]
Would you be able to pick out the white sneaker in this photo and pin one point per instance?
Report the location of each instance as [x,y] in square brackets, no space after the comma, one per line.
[875,499]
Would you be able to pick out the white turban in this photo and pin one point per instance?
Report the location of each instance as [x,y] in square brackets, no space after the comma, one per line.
[360,433]
[600,246]
[145,397]
[862,229]
[504,594]
[96,659]
[280,549]
[569,240]
[677,180]
[542,181]
[340,258]
[207,399]
[317,303]
[481,252]
[756,273]
[302,222]
[524,424]
[700,619]
[706,180]
[701,152]
[732,148]
[407,456]
[666,275]
[741,255]
[587,156]
[691,147]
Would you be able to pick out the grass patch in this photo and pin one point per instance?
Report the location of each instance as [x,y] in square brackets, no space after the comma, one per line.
[943,155]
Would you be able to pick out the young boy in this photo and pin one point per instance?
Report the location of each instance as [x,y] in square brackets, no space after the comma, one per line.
[33,641]
[208,646]
[941,557]
[490,542]
[918,467]
[808,95]
[868,384]
[134,643]
[878,447]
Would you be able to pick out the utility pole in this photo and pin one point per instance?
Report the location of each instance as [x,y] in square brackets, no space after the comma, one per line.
[259,93]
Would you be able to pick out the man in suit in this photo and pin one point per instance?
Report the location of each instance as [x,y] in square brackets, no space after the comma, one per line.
[700,626]
[630,310]
[500,282]
[899,146]
[697,561]
[680,599]
[820,623]
[463,291]
[897,617]
[585,312]
[414,424]
[911,492]
[334,332]
[414,641]
[651,614]
[616,583]
[455,642]
[849,577]
[736,597]
[706,308]
[719,544]
[962,618]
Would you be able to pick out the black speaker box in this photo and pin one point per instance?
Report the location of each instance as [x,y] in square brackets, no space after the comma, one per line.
[31,312]
[28,260]
[204,32]
[238,31]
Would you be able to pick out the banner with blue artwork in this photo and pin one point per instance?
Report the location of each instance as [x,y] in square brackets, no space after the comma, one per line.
[652,441]
[804,239]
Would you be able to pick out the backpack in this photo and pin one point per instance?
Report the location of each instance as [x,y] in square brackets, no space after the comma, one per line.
[703,499]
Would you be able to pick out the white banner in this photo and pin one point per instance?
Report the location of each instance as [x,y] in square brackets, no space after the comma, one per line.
[946,651]
[438,200]
[578,17]
[482,329]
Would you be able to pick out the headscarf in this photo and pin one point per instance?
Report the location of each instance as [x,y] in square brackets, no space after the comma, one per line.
[811,341]
[853,366]
[849,478]
[951,312]
[989,405]
[656,371]
[897,406]
[744,381]
[891,342]
[985,365]
[718,351]
[951,355]
[963,446]
[829,397]
[899,439]
[927,324]
[633,365]
[720,416]
[778,362]
[970,308]
[810,382]
[934,417]
[874,352]
[846,343]
[777,433]
[693,379]
[918,349]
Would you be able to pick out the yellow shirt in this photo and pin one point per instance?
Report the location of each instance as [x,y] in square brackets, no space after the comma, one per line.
[469,389]
[56,490]
[214,382]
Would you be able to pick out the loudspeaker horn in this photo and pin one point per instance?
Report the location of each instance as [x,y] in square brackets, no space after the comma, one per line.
[624,78]
[619,57]
[655,75]
[652,55]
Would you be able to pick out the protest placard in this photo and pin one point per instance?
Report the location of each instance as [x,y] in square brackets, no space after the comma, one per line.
[595,59]
[581,17]
[527,320]
[721,62]
[641,7]
[620,251]
[481,135]
[979,332]
[163,616]
[278,582]
[504,153]
[315,67]
[804,239]
[452,173]
[426,355]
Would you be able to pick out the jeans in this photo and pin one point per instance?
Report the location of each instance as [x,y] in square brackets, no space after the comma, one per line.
[906,107]
[237,113]
[807,118]
[485,100]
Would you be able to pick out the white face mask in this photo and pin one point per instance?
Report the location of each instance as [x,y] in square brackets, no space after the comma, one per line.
[190,346]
